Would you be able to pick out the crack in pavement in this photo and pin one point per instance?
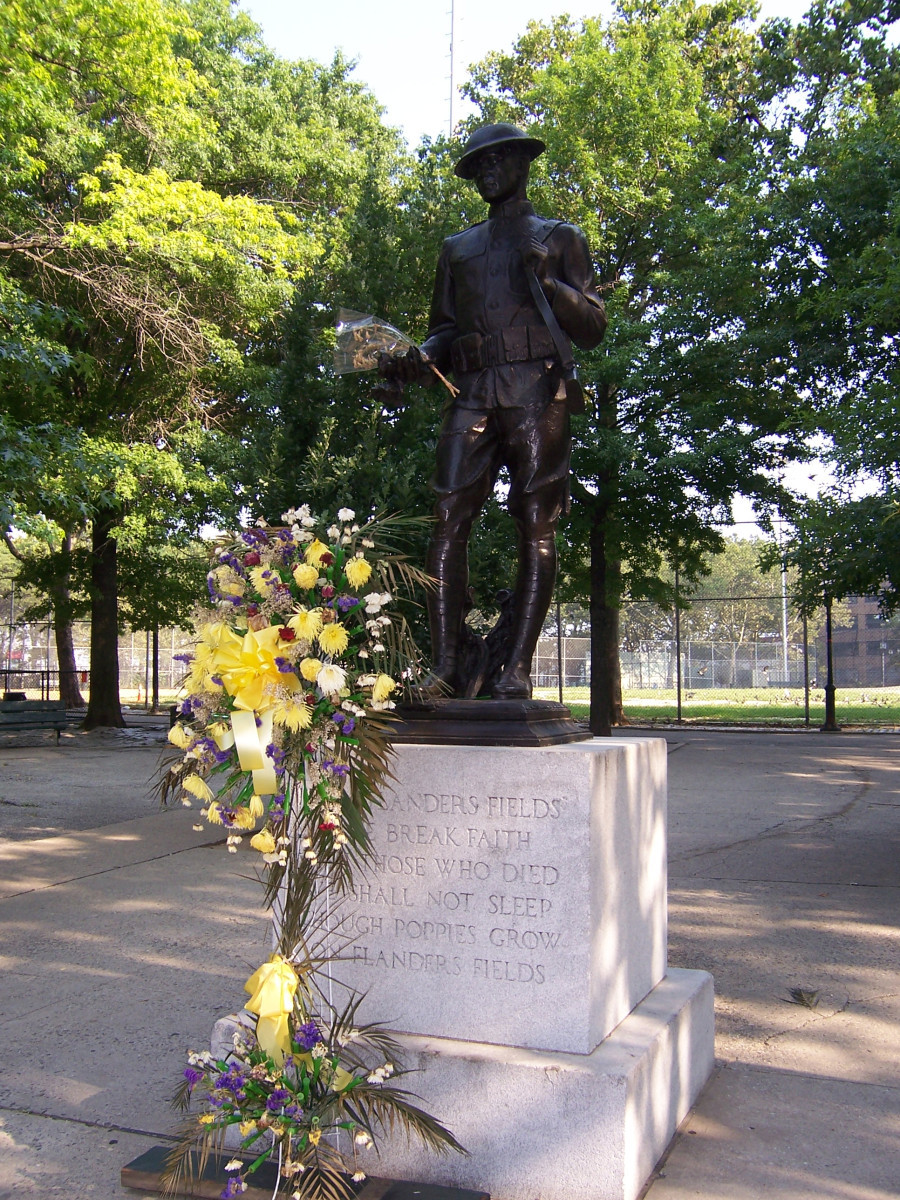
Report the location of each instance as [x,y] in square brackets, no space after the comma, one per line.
[108,870]
[782,828]
[816,1019]
[109,1126]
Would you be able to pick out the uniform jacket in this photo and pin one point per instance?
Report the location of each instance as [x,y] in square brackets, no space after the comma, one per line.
[481,288]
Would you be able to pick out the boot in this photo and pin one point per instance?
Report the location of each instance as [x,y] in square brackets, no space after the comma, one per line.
[448,565]
[534,591]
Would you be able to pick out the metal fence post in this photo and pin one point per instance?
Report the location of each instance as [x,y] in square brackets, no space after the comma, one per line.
[806,669]
[677,653]
[559,659]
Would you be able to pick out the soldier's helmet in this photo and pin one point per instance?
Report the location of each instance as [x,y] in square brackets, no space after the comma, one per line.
[489,137]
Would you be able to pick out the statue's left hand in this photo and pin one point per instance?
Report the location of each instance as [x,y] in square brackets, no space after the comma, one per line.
[536,257]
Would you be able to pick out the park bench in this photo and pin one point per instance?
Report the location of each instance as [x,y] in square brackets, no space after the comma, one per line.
[16,715]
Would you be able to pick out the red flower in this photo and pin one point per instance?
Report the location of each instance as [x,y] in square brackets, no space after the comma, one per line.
[327,591]
[327,826]
[252,559]
[252,610]
[286,633]
[310,699]
[326,559]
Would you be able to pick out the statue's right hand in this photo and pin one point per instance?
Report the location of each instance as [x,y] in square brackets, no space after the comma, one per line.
[409,367]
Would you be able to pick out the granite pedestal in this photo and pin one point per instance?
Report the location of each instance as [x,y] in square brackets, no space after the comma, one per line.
[512,928]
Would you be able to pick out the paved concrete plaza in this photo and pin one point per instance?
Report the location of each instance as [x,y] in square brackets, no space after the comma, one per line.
[125,933]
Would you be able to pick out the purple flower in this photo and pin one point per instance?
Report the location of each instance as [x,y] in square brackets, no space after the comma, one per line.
[278,1099]
[308,1035]
[345,603]
[185,658]
[234,1187]
[216,679]
[193,1076]
[232,1080]
[339,718]
[293,1110]
[349,726]
[283,665]
[341,770]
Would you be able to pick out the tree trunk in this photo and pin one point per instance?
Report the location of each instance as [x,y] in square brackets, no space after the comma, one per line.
[606,674]
[104,708]
[69,691]
[61,599]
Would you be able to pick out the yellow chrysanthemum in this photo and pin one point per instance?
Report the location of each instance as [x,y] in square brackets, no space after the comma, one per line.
[293,715]
[180,737]
[243,818]
[333,639]
[263,841]
[206,1118]
[256,806]
[197,787]
[358,572]
[314,551]
[213,814]
[382,688]
[310,668]
[233,589]
[306,623]
[247,1127]
[305,575]
[263,579]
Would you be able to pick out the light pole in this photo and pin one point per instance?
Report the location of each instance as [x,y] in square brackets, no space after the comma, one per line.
[830,725]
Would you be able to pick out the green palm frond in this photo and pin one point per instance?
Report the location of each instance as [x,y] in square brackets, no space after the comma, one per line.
[382,1108]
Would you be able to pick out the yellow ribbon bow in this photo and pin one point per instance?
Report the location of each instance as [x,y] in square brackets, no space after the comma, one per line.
[246,665]
[272,988]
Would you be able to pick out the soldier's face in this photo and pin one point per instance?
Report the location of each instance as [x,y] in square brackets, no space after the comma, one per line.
[501,174]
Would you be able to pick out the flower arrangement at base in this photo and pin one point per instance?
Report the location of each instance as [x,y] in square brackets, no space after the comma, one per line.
[283,737]
[312,1108]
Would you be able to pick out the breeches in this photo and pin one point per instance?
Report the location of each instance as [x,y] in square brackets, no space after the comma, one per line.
[532,442]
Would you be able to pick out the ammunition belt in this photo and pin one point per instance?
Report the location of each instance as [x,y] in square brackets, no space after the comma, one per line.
[517,343]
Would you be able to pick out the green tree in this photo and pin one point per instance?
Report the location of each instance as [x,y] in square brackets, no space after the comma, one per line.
[166,179]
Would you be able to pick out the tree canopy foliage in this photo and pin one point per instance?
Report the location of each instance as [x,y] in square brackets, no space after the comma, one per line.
[183,212]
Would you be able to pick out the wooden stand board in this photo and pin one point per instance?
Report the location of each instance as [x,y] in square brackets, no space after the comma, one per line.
[144,1174]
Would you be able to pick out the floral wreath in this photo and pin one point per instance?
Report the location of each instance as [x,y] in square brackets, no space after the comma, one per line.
[283,726]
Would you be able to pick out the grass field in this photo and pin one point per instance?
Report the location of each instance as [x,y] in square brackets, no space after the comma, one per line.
[750,706]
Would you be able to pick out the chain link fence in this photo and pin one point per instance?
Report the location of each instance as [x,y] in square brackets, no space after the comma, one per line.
[707,663]
[759,674]
[29,664]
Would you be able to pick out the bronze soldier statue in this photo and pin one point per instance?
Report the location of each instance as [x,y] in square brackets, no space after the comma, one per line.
[511,295]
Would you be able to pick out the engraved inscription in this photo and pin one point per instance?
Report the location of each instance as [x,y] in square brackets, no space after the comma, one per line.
[466,886]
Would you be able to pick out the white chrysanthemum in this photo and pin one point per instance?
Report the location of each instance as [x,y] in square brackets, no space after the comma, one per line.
[345,514]
[331,678]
